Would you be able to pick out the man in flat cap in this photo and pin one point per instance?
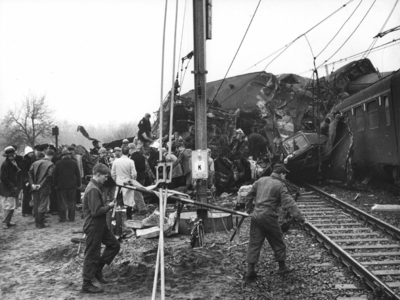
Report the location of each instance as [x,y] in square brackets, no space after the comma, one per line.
[9,186]
[27,161]
[266,195]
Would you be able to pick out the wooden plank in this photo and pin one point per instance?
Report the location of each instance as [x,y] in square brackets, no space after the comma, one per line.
[321,265]
[342,224]
[394,284]
[385,207]
[360,240]
[327,221]
[362,297]
[345,229]
[390,246]
[373,254]
[380,263]
[386,272]
[148,233]
[346,286]
[353,234]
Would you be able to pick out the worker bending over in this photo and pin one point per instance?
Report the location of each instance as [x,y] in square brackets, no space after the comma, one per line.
[268,193]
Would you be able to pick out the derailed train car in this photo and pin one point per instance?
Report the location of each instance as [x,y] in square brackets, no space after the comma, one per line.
[367,139]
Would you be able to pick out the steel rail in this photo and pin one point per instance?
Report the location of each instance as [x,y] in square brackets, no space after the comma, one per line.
[372,280]
[385,227]
[185,200]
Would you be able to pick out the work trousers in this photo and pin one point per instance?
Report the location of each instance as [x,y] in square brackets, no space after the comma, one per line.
[27,196]
[265,226]
[95,236]
[40,203]
[53,200]
[9,204]
[66,203]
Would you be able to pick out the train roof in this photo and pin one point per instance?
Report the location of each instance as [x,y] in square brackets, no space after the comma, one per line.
[369,92]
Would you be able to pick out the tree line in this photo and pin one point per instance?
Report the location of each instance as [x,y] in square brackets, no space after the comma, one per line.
[30,123]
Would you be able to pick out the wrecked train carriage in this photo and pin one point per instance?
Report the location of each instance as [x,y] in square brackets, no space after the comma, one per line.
[221,125]
[372,118]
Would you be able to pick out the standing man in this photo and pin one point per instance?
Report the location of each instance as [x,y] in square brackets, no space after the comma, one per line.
[123,170]
[9,186]
[144,133]
[40,179]
[117,152]
[268,193]
[27,161]
[140,162]
[96,147]
[97,232]
[66,180]
[184,158]
[76,157]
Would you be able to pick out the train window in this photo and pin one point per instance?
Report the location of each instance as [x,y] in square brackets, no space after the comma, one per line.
[359,113]
[387,109]
[373,114]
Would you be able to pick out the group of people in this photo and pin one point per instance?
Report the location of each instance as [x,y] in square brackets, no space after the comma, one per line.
[46,182]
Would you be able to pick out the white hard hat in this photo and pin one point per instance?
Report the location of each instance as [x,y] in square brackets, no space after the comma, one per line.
[28,150]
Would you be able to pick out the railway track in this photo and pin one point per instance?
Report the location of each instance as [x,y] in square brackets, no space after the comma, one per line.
[367,245]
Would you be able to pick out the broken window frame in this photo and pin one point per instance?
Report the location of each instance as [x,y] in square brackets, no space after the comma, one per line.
[373,114]
[359,117]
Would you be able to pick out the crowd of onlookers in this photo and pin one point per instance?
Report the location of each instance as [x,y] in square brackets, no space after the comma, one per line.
[47,180]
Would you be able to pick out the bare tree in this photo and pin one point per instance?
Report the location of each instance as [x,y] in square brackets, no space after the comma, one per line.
[28,122]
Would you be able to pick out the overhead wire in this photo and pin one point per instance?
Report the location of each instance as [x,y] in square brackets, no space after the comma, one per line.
[383,27]
[366,14]
[289,44]
[237,51]
[283,49]
[377,48]
[341,27]
[180,48]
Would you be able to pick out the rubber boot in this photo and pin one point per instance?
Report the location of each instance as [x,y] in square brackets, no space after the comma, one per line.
[89,287]
[99,274]
[283,268]
[251,273]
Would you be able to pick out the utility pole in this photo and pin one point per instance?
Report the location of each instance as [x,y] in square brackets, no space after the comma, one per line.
[199,27]
[55,132]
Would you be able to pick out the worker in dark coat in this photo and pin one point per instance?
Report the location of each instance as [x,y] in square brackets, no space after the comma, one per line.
[27,161]
[40,180]
[267,194]
[140,162]
[9,186]
[97,232]
[66,179]
[144,133]
[257,145]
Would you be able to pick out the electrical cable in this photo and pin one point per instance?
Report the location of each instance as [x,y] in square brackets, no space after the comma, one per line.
[237,51]
[344,5]
[340,29]
[350,34]
[377,48]
[383,27]
[284,49]
[183,27]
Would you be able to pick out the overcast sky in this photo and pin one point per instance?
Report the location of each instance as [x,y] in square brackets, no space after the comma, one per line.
[100,60]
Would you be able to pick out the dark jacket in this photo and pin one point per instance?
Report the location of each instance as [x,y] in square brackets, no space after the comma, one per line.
[8,177]
[41,172]
[268,193]
[109,182]
[140,165]
[66,174]
[144,127]
[25,166]
[94,207]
